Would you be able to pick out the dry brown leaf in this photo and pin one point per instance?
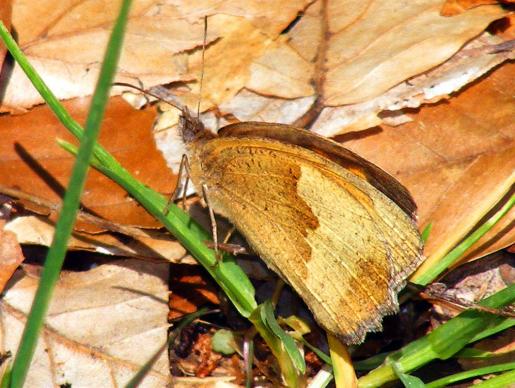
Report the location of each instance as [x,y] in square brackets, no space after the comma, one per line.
[190,289]
[37,230]
[11,255]
[474,281]
[31,161]
[102,326]
[455,7]
[436,84]
[5,17]
[376,45]
[430,87]
[456,158]
[65,43]
[284,76]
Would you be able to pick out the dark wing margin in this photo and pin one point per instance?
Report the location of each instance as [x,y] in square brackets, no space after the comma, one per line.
[330,149]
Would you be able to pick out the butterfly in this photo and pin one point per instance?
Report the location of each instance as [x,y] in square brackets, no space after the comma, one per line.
[338,229]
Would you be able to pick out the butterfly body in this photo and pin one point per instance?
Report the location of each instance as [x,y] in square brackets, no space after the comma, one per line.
[315,217]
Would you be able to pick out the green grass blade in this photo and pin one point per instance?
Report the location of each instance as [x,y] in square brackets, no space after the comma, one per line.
[288,342]
[407,380]
[444,341]
[502,381]
[447,380]
[370,363]
[288,364]
[449,259]
[64,226]
[426,232]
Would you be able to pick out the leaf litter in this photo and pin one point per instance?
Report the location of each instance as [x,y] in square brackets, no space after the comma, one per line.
[437,156]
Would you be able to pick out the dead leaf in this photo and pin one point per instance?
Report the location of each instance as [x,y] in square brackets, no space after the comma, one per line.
[455,7]
[190,289]
[11,255]
[474,281]
[372,45]
[434,85]
[32,162]
[37,230]
[65,43]
[102,326]
[277,76]
[456,158]
[5,17]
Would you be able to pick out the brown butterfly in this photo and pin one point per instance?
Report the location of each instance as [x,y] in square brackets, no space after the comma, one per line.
[334,226]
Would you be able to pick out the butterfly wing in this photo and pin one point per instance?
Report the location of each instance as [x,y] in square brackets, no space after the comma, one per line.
[337,240]
[378,178]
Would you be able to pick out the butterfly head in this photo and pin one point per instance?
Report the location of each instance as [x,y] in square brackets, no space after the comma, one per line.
[191,128]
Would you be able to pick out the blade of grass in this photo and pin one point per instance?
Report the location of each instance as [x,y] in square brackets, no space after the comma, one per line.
[281,344]
[444,341]
[447,380]
[408,381]
[343,371]
[64,225]
[502,381]
[430,274]
[426,232]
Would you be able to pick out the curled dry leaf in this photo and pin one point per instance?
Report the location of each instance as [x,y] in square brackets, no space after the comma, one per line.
[474,281]
[36,230]
[88,339]
[65,43]
[429,87]
[361,68]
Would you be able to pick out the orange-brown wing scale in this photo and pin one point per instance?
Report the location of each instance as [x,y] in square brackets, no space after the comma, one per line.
[344,246]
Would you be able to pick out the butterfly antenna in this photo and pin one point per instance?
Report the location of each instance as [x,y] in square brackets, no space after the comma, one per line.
[202,66]
[166,97]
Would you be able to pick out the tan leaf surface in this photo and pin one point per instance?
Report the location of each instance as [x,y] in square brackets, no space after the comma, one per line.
[65,42]
[365,64]
[456,158]
[103,325]
[429,87]
[373,47]
[36,230]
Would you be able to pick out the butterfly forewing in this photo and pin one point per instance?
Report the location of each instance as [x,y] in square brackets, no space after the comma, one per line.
[337,240]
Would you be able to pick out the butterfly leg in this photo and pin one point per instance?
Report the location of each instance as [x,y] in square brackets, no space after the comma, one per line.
[225,246]
[183,167]
[214,229]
